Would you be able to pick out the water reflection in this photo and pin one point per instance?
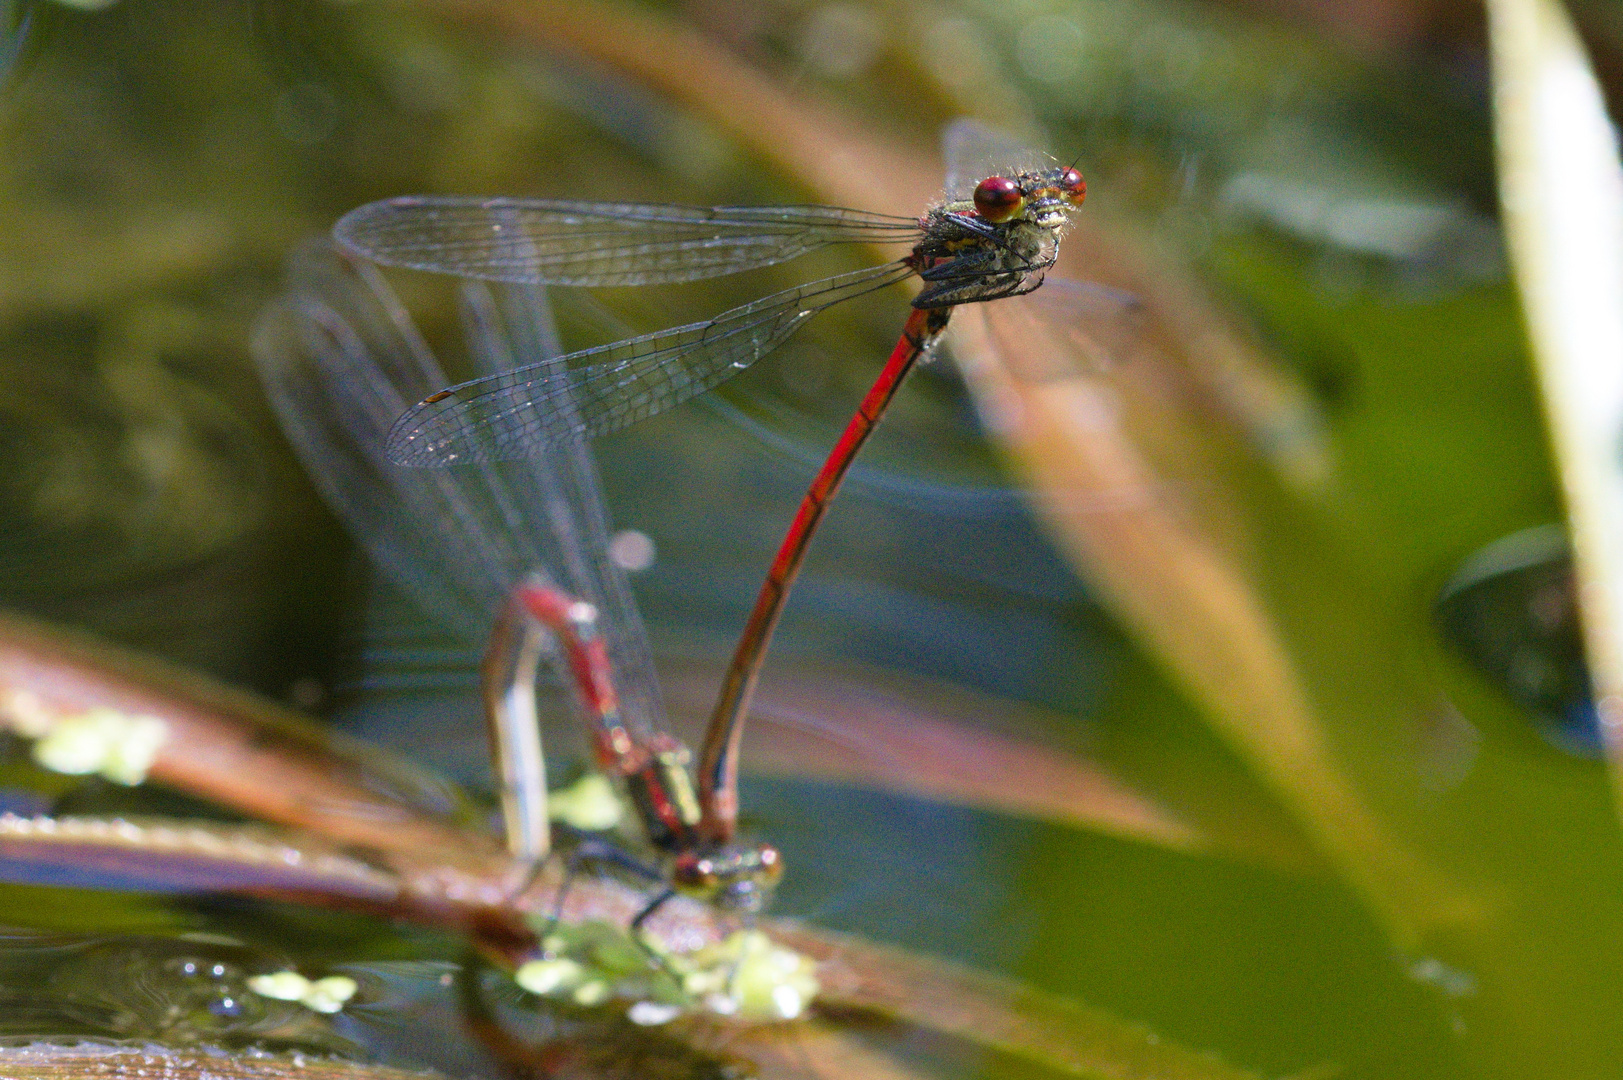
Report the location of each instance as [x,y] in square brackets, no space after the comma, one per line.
[177,991]
[1510,611]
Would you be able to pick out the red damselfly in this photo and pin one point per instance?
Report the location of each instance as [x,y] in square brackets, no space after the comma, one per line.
[995,235]
[523,545]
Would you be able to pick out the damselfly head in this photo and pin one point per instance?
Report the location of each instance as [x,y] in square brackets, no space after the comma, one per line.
[733,878]
[1039,197]
[1049,194]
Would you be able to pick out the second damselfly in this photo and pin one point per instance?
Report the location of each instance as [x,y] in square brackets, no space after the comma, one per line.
[995,235]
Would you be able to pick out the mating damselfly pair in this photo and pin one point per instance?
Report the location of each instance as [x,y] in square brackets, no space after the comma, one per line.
[518,535]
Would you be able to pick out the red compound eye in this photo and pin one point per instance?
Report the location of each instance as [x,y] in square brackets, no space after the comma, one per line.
[1074,187]
[997,198]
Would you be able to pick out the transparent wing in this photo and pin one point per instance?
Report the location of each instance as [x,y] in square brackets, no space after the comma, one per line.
[523,412]
[975,150]
[340,359]
[562,489]
[556,242]
[337,368]
[1103,326]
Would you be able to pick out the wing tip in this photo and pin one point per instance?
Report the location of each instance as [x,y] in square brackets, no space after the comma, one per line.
[354,230]
[346,231]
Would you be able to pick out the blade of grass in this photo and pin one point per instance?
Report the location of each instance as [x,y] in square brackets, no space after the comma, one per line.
[228,746]
[1561,192]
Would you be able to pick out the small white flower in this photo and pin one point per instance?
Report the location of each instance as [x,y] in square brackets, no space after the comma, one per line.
[326,995]
[595,992]
[122,748]
[769,981]
[329,995]
[652,1013]
[133,752]
[545,976]
[77,745]
[283,985]
[787,1001]
[590,804]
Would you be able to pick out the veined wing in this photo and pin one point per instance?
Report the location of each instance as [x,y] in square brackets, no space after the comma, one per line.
[582,395]
[1094,330]
[340,359]
[560,242]
[556,499]
[975,150]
